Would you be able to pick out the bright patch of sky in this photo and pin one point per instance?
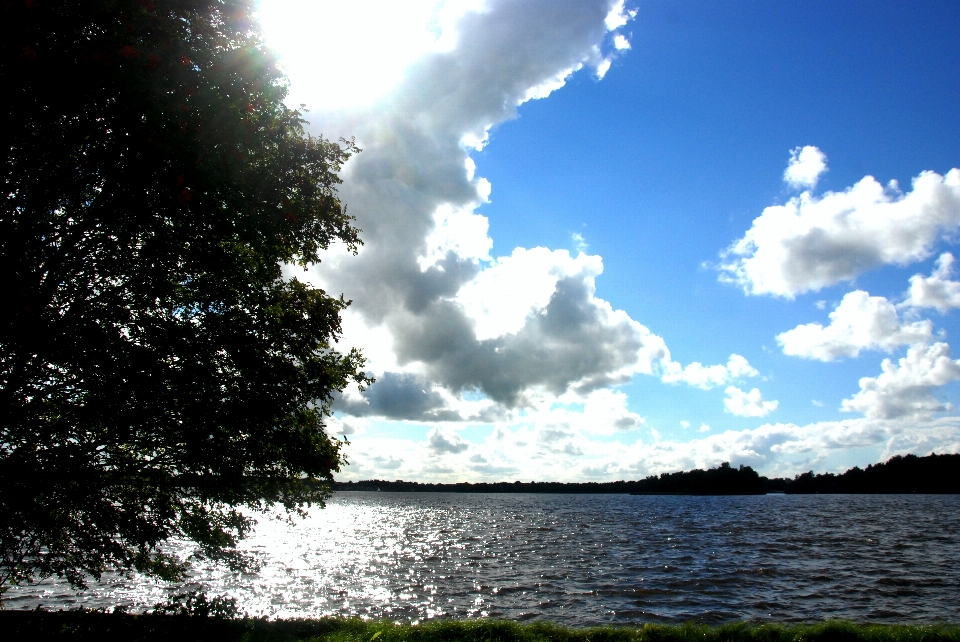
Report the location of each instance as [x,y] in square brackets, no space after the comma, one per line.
[607,240]
[350,54]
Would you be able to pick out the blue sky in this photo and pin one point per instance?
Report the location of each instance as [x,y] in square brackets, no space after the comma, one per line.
[584,259]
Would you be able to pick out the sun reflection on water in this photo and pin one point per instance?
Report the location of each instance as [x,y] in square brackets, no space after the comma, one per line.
[582,560]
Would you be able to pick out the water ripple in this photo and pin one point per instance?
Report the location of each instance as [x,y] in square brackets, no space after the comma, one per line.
[586,560]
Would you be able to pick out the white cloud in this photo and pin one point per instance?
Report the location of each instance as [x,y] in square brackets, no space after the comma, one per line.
[344,428]
[788,449]
[860,322]
[576,342]
[500,297]
[619,16]
[457,231]
[440,319]
[539,449]
[442,441]
[739,367]
[707,377]
[938,436]
[747,404]
[937,290]
[386,463]
[364,67]
[704,428]
[410,396]
[579,243]
[605,412]
[616,18]
[812,242]
[550,84]
[511,328]
[603,68]
[684,424]
[806,166]
[906,388]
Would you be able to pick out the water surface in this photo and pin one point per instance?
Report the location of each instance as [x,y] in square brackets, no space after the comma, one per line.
[587,560]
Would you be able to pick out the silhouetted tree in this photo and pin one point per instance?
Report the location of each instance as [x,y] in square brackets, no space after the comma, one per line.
[158,371]
[900,474]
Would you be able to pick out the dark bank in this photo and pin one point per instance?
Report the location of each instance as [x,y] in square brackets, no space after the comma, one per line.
[107,627]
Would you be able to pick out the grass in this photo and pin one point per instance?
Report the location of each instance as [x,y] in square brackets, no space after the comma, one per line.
[107,627]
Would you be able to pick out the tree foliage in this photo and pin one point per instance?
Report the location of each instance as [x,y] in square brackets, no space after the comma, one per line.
[933,474]
[158,371]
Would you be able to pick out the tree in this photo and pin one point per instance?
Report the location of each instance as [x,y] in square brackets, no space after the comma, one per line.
[159,373]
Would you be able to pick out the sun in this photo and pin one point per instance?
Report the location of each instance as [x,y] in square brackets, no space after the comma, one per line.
[347,54]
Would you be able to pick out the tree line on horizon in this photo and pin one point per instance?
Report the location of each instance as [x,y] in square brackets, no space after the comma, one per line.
[933,474]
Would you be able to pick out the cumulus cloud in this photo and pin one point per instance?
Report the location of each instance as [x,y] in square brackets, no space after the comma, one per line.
[513,328]
[605,412]
[707,377]
[747,404]
[906,388]
[386,463]
[812,242]
[781,449]
[603,68]
[937,290]
[444,441]
[806,166]
[576,342]
[785,449]
[456,232]
[938,436]
[619,15]
[859,322]
[344,428]
[501,297]
[399,396]
[445,317]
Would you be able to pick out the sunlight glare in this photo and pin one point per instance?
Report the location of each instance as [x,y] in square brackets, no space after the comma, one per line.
[347,54]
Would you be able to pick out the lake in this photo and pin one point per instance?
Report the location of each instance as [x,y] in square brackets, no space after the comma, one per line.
[586,560]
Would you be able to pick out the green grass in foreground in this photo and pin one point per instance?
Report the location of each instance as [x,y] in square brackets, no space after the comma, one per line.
[105,627]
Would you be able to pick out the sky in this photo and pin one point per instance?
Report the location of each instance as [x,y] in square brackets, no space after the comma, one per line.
[605,240]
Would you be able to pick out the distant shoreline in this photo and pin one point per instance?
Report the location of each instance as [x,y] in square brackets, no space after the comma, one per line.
[909,474]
